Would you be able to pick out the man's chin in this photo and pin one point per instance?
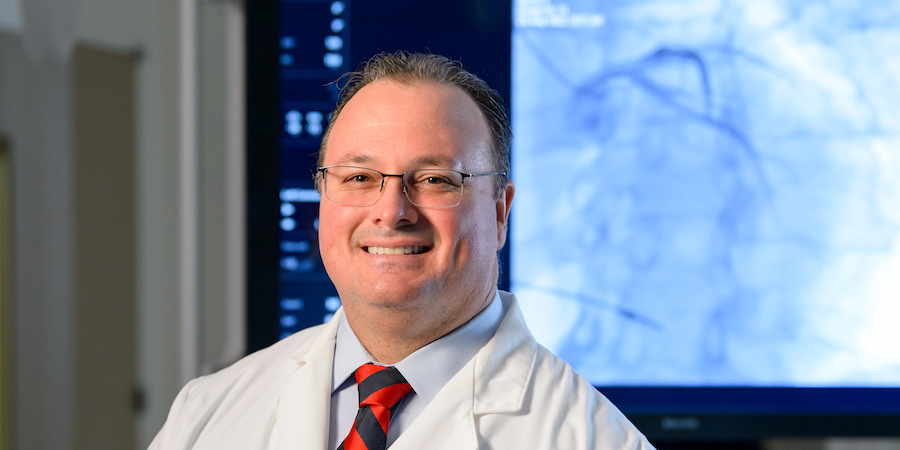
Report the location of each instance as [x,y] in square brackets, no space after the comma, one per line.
[396,295]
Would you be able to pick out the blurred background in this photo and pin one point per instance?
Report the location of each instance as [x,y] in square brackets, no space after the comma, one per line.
[116,123]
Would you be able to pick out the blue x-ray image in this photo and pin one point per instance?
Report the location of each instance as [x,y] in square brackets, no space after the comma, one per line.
[708,192]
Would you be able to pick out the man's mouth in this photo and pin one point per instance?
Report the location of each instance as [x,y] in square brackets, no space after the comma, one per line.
[410,250]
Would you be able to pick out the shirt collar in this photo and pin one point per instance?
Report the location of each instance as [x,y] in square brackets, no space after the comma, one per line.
[349,354]
[429,368]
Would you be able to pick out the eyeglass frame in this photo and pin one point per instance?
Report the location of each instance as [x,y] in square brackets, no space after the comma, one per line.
[401,176]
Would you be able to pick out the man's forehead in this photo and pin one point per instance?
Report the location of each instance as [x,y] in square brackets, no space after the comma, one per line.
[390,126]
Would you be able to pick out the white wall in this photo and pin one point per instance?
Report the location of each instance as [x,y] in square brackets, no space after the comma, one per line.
[10,15]
[34,115]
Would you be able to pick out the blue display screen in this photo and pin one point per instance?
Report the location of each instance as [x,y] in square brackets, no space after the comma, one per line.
[707,192]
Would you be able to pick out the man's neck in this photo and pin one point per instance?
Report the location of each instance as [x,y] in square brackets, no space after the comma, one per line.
[391,335]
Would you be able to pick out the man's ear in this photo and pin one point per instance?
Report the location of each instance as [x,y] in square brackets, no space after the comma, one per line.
[504,202]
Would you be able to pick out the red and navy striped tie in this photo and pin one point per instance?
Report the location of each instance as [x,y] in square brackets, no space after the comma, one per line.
[380,388]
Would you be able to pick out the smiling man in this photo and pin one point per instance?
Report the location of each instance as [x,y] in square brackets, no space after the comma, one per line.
[426,352]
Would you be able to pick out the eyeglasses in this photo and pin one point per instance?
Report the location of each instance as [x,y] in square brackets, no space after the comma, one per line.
[427,188]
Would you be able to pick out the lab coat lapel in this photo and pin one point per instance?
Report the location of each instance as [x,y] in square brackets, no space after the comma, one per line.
[494,381]
[303,414]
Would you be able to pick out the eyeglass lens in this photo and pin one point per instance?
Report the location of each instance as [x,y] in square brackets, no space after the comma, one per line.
[430,188]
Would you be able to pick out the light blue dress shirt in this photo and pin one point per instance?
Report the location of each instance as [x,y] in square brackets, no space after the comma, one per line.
[427,370]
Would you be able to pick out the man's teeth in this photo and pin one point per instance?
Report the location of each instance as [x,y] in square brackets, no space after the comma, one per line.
[414,249]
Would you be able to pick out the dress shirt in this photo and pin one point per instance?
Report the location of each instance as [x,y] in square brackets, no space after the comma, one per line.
[427,370]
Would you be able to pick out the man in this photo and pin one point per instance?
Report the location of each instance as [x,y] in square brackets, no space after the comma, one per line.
[413,172]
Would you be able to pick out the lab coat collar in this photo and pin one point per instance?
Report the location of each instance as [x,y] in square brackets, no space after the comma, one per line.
[503,368]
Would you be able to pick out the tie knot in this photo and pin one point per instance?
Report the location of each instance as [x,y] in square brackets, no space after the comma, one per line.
[380,388]
[380,385]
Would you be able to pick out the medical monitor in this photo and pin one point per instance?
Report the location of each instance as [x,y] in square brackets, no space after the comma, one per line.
[706,221]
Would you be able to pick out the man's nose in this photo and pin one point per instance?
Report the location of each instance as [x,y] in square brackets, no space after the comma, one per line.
[394,206]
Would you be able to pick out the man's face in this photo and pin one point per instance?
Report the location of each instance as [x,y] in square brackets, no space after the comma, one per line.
[395,128]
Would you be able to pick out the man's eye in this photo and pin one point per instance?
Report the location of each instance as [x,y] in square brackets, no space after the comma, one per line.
[436,180]
[359,178]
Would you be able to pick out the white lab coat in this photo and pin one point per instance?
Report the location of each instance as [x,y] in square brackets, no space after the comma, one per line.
[514,394]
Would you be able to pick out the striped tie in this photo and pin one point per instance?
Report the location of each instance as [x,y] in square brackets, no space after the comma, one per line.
[380,388]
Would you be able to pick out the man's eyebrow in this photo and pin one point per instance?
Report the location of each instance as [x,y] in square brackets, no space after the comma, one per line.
[422,161]
[437,161]
[355,158]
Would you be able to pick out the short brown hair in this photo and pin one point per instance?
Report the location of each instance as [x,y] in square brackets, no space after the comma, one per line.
[408,68]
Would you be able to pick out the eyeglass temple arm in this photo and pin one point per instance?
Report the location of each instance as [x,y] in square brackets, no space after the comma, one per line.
[467,175]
